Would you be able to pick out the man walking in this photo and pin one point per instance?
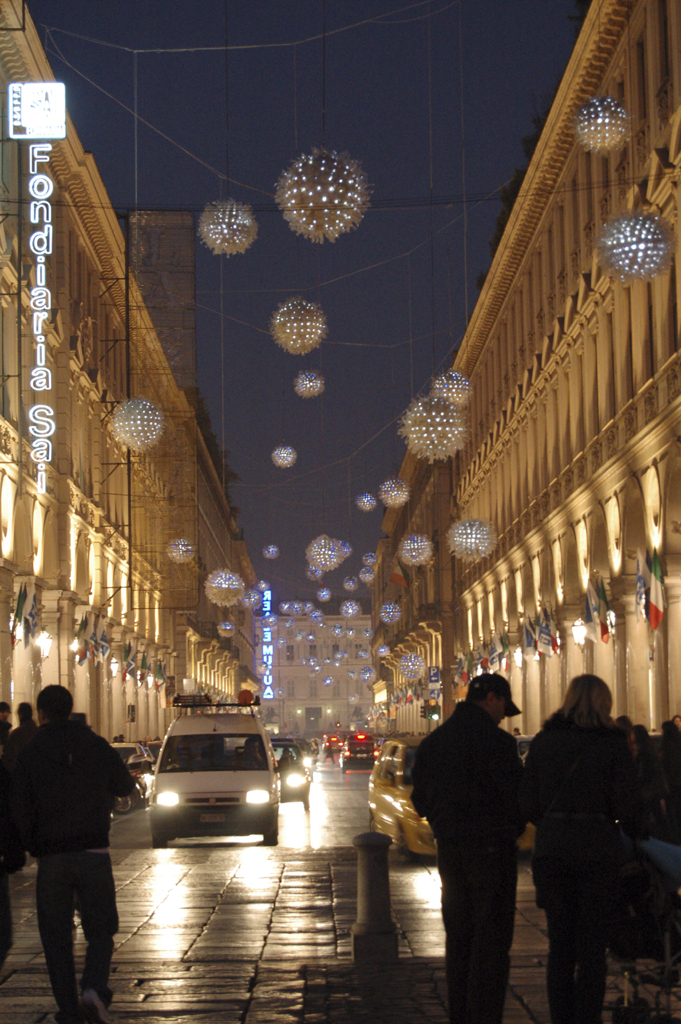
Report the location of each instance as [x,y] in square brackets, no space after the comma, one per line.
[5,724]
[64,783]
[466,780]
[20,736]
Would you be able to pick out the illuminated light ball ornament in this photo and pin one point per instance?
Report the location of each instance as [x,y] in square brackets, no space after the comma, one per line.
[298,325]
[352,698]
[290,623]
[367,575]
[433,428]
[309,607]
[601,124]
[412,666]
[284,456]
[280,692]
[224,587]
[270,621]
[337,629]
[365,502]
[261,668]
[322,195]
[262,586]
[317,616]
[345,549]
[309,384]
[369,559]
[390,613]
[138,424]
[297,607]
[636,247]
[470,539]
[252,599]
[383,650]
[323,594]
[285,607]
[328,680]
[363,654]
[350,609]
[350,583]
[226,628]
[313,572]
[271,551]
[394,493]
[349,632]
[227,227]
[300,635]
[416,549]
[281,641]
[366,633]
[352,673]
[324,552]
[367,674]
[453,387]
[310,637]
[180,551]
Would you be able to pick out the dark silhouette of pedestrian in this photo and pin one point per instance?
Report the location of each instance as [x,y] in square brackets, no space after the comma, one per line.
[63,787]
[20,736]
[5,724]
[12,857]
[466,780]
[579,786]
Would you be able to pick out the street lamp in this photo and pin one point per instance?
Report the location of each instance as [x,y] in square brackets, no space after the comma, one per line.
[518,657]
[44,643]
[114,666]
[579,632]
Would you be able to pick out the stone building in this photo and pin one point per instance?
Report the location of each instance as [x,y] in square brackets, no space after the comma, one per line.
[85,521]
[576,389]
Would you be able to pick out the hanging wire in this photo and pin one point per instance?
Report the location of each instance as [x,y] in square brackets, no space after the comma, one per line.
[295,100]
[463,174]
[430,183]
[323,73]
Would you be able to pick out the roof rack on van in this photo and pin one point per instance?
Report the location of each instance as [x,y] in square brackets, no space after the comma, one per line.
[202,700]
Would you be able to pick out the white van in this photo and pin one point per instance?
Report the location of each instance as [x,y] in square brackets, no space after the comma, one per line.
[216,775]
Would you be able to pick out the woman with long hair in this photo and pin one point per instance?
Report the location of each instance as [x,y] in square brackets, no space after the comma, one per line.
[579,786]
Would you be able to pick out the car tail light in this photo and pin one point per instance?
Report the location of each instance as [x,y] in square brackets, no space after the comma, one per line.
[376,753]
[360,736]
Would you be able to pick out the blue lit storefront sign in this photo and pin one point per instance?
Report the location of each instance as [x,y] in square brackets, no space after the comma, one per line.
[267,654]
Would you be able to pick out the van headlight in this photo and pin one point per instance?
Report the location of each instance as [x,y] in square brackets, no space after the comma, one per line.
[168,799]
[257,796]
[294,779]
[307,761]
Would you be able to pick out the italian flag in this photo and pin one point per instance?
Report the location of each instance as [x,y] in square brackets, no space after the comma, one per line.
[656,593]
[603,609]
[399,577]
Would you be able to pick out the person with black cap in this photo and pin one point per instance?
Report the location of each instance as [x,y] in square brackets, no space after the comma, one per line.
[466,782]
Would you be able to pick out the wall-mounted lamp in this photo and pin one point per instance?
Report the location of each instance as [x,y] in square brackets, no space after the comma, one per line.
[114,666]
[74,646]
[579,632]
[44,643]
[518,657]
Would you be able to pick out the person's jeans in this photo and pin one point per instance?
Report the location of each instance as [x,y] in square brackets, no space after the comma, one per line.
[478,908]
[61,878]
[5,919]
[579,900]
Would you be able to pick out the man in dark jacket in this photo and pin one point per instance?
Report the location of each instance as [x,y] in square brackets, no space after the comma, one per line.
[12,858]
[63,787]
[466,781]
[20,736]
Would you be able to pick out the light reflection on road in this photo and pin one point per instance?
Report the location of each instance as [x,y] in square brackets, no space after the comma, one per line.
[338,811]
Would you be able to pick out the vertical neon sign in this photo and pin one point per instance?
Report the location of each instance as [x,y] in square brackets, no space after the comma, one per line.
[267,649]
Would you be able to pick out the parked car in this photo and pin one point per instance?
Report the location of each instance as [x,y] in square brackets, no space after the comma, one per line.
[359,751]
[390,808]
[294,774]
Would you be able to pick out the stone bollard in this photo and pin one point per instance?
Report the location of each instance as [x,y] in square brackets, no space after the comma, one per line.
[374,937]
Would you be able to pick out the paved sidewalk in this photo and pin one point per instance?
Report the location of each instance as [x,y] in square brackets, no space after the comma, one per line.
[220,935]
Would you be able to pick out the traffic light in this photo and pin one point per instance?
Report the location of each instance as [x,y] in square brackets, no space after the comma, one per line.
[435,712]
[424,711]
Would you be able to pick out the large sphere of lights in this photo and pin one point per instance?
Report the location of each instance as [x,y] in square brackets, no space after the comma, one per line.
[226,628]
[453,387]
[228,227]
[285,607]
[390,613]
[270,621]
[363,654]
[137,424]
[369,559]
[298,325]
[412,666]
[252,599]
[297,607]
[337,629]
[383,650]
[349,632]
[365,502]
[224,587]
[367,574]
[271,551]
[180,551]
[394,493]
[350,583]
[262,586]
[322,195]
[309,384]
[416,549]
[284,456]
[367,674]
[636,247]
[470,539]
[317,616]
[350,609]
[323,594]
[433,429]
[309,607]
[601,124]
[313,572]
[324,552]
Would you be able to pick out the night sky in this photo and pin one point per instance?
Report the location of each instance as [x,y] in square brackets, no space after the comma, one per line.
[401,275]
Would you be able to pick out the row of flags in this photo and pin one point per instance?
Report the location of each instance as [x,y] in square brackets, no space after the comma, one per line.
[490,658]
[26,614]
[145,669]
[650,599]
[91,639]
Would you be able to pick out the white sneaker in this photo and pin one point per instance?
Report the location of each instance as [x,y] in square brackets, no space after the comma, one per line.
[93,1007]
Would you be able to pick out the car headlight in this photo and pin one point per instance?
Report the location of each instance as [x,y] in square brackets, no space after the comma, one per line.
[167,799]
[294,779]
[257,796]
[307,761]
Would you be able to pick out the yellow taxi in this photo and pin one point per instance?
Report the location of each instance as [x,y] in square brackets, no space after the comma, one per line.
[390,808]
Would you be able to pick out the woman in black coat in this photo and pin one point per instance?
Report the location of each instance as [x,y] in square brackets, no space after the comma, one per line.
[652,783]
[578,787]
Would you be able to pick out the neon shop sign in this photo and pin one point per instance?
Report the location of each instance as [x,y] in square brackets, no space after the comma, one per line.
[267,649]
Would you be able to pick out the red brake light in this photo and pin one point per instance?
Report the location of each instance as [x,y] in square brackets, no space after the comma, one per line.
[361,736]
[334,739]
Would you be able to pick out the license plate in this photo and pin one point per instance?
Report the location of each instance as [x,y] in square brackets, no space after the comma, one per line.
[212,817]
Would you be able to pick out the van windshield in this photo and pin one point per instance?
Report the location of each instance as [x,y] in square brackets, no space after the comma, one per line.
[214,752]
